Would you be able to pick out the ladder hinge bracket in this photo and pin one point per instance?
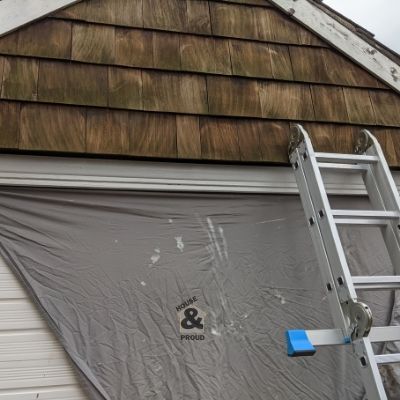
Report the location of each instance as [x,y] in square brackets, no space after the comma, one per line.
[360,316]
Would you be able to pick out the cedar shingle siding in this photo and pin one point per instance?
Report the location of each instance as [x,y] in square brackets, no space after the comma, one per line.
[189,79]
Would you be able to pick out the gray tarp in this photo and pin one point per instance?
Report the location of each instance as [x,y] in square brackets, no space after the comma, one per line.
[109,269]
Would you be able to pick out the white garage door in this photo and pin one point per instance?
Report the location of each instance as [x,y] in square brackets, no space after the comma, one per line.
[33,366]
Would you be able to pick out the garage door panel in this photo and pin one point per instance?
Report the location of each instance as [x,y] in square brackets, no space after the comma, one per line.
[33,365]
[69,392]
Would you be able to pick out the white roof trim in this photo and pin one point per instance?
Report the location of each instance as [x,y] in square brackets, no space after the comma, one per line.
[62,172]
[17,13]
[343,39]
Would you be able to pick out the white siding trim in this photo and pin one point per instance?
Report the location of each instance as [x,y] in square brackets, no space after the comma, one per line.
[343,39]
[17,13]
[39,171]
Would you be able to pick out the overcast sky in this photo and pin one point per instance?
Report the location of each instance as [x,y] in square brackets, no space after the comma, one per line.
[381,17]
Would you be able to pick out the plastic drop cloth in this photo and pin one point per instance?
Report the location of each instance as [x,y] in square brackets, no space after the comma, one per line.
[109,271]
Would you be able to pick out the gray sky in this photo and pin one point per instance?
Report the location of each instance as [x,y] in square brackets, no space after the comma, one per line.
[381,17]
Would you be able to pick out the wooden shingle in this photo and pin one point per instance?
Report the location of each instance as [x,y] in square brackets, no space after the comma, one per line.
[391,143]
[47,38]
[93,43]
[20,78]
[72,83]
[202,54]
[233,96]
[219,139]
[118,12]
[275,26]
[134,47]
[274,141]
[329,103]
[52,128]
[152,135]
[344,72]
[249,132]
[125,88]
[165,14]
[107,132]
[281,62]
[309,64]
[9,43]
[166,51]
[9,124]
[233,20]
[2,61]
[386,105]
[326,137]
[76,11]
[286,101]
[100,11]
[359,106]
[198,16]
[188,137]
[251,59]
[129,12]
[172,92]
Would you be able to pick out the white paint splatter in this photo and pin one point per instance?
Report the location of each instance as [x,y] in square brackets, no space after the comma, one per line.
[143,283]
[179,243]
[280,297]
[155,257]
[224,243]
[215,332]
[213,236]
[271,220]
[170,221]
[116,241]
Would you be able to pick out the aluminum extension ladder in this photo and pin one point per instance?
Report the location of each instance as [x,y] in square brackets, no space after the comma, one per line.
[352,319]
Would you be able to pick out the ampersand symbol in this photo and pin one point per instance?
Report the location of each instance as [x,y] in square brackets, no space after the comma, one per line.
[191,321]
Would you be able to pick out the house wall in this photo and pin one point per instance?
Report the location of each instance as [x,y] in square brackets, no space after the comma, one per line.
[184,79]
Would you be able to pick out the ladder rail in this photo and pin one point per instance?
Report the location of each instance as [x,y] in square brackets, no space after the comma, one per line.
[324,219]
[384,196]
[319,245]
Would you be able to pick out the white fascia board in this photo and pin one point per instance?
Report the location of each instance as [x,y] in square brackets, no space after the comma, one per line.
[17,13]
[61,172]
[343,39]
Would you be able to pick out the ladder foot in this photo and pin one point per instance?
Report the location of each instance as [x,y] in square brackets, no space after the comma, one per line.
[298,344]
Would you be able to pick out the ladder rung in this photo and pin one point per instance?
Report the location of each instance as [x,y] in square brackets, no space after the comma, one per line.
[376,282]
[359,222]
[387,358]
[368,214]
[384,334]
[334,337]
[343,167]
[346,158]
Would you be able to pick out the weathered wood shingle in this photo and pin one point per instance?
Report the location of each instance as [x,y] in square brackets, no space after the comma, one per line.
[189,79]
[52,128]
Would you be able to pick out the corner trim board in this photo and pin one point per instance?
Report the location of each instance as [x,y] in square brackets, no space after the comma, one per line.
[343,39]
[17,13]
